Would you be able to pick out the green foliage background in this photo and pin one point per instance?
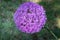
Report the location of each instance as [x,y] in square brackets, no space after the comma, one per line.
[8,30]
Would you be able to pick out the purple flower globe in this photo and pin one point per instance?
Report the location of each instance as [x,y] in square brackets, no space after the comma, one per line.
[30,17]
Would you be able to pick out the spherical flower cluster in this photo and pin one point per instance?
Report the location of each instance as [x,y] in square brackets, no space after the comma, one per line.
[30,17]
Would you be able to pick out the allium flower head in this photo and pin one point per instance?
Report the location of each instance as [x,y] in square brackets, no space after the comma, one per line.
[30,17]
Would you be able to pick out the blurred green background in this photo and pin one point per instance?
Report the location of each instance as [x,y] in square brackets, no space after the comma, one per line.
[8,30]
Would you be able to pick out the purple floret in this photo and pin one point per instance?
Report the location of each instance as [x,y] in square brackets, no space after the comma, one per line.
[30,17]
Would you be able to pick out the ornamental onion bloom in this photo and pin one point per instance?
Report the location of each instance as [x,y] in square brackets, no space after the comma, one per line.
[30,17]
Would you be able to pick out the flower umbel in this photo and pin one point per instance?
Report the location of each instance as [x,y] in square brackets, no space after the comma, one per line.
[30,17]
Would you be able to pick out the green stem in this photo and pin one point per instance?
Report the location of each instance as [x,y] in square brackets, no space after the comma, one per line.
[52,33]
